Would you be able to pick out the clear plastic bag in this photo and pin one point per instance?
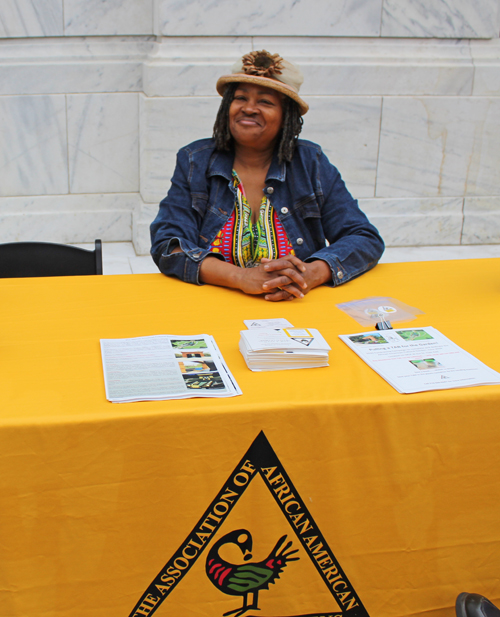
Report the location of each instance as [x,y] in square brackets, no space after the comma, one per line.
[369,311]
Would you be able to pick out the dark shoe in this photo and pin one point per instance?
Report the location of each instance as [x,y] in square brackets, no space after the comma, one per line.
[474,605]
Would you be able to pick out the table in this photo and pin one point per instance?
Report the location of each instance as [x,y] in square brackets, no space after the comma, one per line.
[96,498]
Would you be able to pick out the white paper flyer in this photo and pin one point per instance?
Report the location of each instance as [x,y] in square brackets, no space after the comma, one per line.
[419,359]
[152,368]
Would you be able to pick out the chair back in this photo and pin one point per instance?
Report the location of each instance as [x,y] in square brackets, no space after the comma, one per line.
[22,259]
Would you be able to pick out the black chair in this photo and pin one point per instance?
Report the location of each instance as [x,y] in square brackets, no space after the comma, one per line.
[475,605]
[22,259]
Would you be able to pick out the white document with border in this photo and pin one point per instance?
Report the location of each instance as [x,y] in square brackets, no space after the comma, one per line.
[162,367]
[277,322]
[419,360]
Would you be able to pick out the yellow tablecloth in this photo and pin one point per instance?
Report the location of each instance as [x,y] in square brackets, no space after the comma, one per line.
[97,498]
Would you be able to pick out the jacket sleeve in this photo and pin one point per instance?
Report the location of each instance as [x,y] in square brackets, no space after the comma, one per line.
[353,244]
[178,224]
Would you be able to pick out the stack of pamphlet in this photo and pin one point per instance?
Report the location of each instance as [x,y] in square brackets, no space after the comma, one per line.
[276,349]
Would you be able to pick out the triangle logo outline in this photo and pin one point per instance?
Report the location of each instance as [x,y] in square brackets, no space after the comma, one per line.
[260,459]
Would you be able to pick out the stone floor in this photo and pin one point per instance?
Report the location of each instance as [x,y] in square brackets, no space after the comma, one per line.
[120,257]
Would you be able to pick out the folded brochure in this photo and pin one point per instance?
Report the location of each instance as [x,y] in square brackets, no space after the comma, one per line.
[419,360]
[152,368]
[276,349]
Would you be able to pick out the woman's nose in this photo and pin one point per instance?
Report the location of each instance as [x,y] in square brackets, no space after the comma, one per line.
[249,107]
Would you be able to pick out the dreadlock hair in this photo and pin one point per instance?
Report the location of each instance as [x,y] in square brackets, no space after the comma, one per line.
[292,125]
[222,135]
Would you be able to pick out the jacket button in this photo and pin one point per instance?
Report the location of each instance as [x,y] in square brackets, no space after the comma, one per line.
[269,190]
[300,241]
[340,274]
[284,210]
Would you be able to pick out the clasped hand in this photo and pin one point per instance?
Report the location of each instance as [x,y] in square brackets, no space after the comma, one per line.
[280,279]
[286,278]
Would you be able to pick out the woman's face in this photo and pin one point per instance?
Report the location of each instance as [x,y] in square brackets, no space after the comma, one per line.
[255,116]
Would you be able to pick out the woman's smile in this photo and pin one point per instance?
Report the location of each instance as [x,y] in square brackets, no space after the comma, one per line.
[248,121]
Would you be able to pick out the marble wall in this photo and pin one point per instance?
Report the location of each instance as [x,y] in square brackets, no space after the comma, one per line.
[96,97]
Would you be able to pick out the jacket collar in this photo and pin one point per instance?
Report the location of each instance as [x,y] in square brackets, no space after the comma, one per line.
[277,170]
[221,164]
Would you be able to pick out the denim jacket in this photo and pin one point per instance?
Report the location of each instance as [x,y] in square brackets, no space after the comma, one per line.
[319,215]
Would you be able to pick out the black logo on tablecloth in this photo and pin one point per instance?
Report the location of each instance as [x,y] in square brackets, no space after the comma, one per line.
[260,459]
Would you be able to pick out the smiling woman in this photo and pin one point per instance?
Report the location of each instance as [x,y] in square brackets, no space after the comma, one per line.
[255,208]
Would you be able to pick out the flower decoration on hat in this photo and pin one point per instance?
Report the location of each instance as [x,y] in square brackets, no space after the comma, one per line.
[262,63]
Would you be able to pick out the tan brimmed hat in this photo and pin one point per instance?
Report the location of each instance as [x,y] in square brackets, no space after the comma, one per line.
[270,70]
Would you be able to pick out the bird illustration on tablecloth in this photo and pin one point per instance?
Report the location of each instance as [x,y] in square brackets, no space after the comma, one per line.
[249,578]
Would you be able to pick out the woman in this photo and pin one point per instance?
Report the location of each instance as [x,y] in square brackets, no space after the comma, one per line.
[254,208]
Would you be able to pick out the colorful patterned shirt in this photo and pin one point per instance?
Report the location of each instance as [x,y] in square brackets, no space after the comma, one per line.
[244,243]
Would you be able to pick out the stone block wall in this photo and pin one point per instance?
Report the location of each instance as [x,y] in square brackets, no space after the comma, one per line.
[96,97]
